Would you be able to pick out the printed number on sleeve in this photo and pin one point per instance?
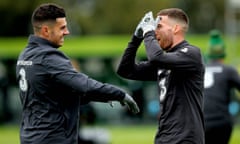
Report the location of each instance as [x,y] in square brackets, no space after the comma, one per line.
[23,82]
[163,89]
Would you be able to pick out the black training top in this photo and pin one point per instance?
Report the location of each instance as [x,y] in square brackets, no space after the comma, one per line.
[51,91]
[179,74]
[220,80]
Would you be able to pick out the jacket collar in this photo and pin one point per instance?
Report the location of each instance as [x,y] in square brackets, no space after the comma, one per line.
[180,45]
[41,41]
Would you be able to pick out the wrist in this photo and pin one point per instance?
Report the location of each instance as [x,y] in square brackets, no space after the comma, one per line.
[135,41]
[148,28]
[150,33]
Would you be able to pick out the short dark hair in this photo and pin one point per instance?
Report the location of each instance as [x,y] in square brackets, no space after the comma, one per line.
[175,13]
[47,12]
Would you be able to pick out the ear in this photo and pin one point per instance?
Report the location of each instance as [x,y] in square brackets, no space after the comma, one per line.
[176,28]
[45,30]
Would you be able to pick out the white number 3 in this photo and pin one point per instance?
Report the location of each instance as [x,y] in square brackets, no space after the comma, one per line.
[163,89]
[23,82]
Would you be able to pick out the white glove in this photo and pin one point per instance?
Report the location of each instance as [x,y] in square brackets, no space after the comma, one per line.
[148,23]
[138,31]
[132,105]
[158,18]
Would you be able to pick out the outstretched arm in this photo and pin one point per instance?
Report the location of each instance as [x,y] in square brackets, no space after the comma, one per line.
[87,88]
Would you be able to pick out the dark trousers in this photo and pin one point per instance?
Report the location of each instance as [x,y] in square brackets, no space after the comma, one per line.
[218,135]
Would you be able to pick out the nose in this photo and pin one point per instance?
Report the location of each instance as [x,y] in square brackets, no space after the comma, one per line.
[66,32]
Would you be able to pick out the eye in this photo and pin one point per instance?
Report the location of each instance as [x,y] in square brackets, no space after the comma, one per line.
[159,26]
[63,27]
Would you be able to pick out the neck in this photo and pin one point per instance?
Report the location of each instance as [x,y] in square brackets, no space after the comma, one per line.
[178,38]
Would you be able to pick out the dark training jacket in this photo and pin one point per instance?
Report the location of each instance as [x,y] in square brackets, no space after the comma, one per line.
[220,81]
[179,74]
[51,92]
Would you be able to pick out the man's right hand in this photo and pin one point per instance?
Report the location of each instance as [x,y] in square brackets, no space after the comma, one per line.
[138,31]
[148,23]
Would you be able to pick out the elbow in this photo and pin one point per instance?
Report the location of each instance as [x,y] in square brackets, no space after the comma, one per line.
[121,72]
[124,73]
[153,59]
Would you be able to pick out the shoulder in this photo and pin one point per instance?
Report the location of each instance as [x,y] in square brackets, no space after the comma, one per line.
[230,68]
[54,56]
[186,48]
[190,51]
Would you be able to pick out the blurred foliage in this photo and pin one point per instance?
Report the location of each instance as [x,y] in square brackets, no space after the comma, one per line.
[112,17]
[204,15]
[88,17]
[16,16]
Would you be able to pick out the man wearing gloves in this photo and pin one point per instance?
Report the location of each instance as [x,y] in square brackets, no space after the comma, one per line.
[178,69]
[51,90]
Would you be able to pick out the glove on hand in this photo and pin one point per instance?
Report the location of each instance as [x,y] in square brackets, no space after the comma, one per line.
[148,23]
[132,105]
[158,18]
[138,31]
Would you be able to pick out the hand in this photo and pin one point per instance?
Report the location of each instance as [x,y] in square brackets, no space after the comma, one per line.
[157,20]
[148,23]
[138,31]
[132,105]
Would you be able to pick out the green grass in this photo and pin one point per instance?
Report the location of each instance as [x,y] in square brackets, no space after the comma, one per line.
[235,139]
[104,45]
[120,134]
[9,134]
[141,134]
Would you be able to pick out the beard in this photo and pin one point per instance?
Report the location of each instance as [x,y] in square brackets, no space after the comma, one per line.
[165,45]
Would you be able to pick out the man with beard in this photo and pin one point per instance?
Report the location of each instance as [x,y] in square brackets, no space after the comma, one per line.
[178,69]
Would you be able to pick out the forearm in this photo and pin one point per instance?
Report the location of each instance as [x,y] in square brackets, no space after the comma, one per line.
[104,92]
[153,49]
[127,62]
[90,89]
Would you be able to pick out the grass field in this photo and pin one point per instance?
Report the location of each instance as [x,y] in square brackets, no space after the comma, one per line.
[120,134]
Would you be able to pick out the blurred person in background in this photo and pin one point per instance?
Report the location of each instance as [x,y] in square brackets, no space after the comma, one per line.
[220,81]
[6,115]
[178,69]
[50,89]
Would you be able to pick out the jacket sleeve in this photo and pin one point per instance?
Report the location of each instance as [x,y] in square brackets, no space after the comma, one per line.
[184,59]
[63,73]
[234,77]
[129,69]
